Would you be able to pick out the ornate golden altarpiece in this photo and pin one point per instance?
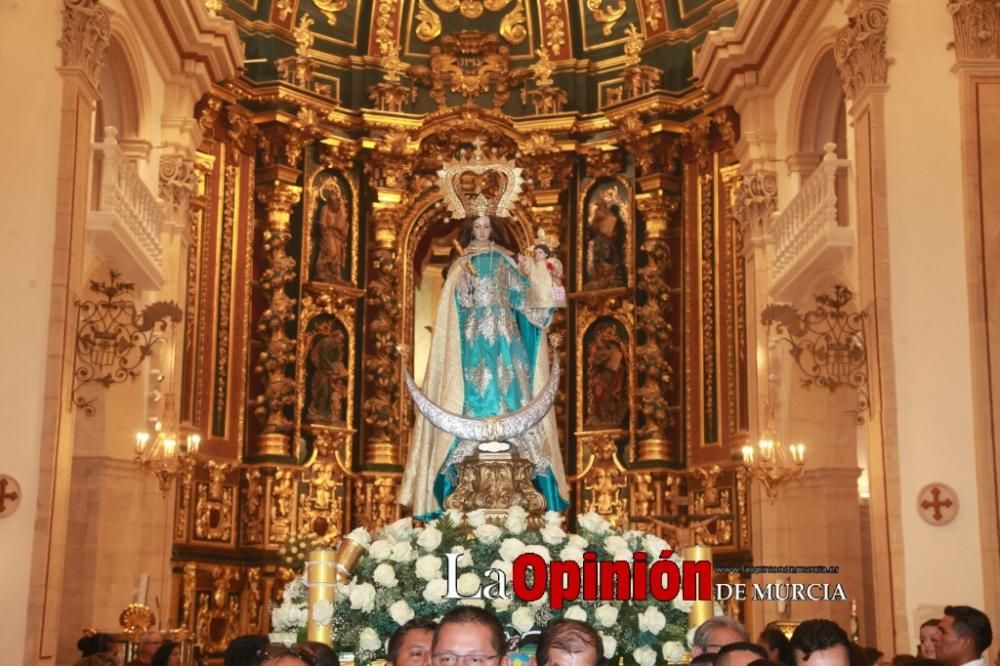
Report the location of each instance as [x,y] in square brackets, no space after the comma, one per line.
[314,220]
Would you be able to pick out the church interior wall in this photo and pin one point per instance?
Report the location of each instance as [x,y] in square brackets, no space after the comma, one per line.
[926,261]
[30,136]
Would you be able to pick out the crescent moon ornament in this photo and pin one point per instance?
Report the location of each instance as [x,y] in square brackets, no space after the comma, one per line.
[494,429]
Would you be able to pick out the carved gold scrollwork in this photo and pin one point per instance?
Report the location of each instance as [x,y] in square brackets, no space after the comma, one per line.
[512,27]
[447,5]
[607,16]
[330,9]
[429,23]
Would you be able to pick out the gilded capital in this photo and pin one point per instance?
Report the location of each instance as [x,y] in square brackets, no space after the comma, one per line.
[860,49]
[656,208]
[279,198]
[85,36]
[977,30]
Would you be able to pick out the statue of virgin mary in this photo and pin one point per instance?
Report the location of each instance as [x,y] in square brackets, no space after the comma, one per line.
[489,357]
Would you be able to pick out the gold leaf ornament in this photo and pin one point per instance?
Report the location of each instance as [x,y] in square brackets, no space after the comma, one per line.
[330,9]
[512,27]
[429,27]
[446,5]
[496,5]
[471,9]
[606,15]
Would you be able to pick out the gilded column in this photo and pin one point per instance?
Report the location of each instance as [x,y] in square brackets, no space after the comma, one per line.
[274,365]
[655,330]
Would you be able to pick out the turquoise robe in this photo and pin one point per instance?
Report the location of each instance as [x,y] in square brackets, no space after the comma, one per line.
[500,340]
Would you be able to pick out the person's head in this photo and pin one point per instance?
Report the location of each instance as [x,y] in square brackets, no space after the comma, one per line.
[776,643]
[820,643]
[712,634]
[168,654]
[96,644]
[321,654]
[928,638]
[542,252]
[243,650]
[410,644]
[568,643]
[872,656]
[741,653]
[704,659]
[149,643]
[965,633]
[98,660]
[470,632]
[278,654]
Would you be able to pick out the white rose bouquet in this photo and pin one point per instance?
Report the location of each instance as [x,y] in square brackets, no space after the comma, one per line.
[404,574]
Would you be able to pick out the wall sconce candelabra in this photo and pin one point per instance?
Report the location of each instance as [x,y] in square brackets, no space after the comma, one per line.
[170,450]
[771,465]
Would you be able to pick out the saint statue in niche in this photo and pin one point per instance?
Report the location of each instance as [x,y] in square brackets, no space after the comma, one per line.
[328,386]
[488,326]
[332,229]
[607,378]
[605,234]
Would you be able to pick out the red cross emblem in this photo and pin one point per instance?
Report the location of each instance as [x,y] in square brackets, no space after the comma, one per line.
[10,495]
[937,503]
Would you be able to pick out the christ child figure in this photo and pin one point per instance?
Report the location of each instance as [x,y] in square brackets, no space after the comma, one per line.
[545,279]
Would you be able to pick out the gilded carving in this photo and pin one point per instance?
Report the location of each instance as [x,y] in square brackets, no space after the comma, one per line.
[977,29]
[253,508]
[224,295]
[254,600]
[654,329]
[606,16]
[469,63]
[214,506]
[325,384]
[331,8]
[428,23]
[282,505]
[376,504]
[209,113]
[189,582]
[322,506]
[653,11]
[86,31]
[512,27]
[495,484]
[860,49]
[605,483]
[183,508]
[554,24]
[275,360]
[706,184]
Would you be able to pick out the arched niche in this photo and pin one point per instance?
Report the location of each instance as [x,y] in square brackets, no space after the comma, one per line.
[819,113]
[124,93]
[425,247]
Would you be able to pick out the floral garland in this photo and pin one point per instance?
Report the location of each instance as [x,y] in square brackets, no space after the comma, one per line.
[403,575]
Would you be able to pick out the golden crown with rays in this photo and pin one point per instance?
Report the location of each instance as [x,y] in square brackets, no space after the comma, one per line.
[479,183]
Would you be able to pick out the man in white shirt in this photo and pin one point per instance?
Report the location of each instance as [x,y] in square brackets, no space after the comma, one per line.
[964,635]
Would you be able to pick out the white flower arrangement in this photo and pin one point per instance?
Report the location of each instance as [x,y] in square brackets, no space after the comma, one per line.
[404,574]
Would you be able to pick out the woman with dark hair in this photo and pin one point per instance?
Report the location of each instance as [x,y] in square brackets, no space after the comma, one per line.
[778,647]
[169,654]
[94,644]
